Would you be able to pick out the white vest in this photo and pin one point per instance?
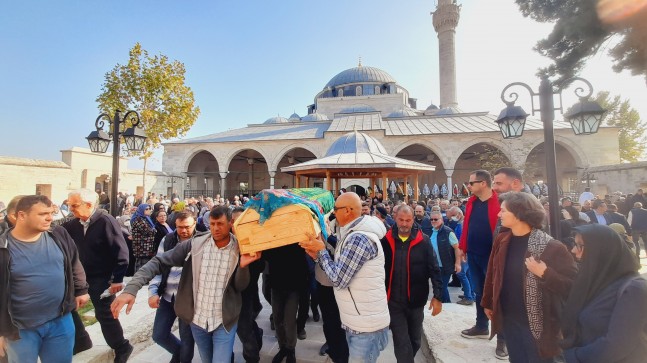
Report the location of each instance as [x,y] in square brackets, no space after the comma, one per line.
[362,305]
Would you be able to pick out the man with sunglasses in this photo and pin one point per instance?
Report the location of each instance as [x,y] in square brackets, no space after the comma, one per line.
[481,217]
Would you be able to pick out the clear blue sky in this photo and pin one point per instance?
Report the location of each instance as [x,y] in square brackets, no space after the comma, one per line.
[247,61]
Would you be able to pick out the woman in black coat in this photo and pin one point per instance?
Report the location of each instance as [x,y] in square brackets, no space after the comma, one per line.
[605,317]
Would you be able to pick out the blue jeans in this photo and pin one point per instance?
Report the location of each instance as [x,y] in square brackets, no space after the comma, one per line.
[52,342]
[445,291]
[182,349]
[366,347]
[478,269]
[216,346]
[464,278]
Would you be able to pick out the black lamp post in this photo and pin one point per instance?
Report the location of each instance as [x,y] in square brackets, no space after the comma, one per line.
[99,140]
[584,117]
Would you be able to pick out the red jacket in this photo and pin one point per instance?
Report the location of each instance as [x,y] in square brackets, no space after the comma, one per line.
[493,216]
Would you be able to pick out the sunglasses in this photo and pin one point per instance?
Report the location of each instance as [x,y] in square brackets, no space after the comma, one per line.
[338,208]
[434,219]
[475,181]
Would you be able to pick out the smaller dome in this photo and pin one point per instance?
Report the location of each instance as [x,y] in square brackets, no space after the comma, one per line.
[403,112]
[356,142]
[358,109]
[276,120]
[431,110]
[314,117]
[448,111]
[295,117]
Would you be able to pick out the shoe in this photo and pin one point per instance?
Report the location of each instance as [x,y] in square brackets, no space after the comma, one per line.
[278,358]
[291,357]
[466,302]
[461,296]
[475,332]
[315,315]
[301,334]
[259,338]
[272,323]
[501,351]
[82,344]
[123,354]
[323,350]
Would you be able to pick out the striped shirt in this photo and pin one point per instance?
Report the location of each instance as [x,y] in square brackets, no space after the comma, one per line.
[214,273]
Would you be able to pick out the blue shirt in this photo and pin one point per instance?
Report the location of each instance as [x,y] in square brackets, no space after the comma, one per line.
[37,280]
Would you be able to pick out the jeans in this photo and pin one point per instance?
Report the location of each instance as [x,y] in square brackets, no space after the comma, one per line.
[464,278]
[445,290]
[366,347]
[284,311]
[52,341]
[216,346]
[406,327]
[110,327]
[182,349]
[334,333]
[478,269]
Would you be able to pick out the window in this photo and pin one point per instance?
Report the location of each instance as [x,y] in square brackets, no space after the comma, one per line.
[340,92]
[358,91]
[377,90]
[44,189]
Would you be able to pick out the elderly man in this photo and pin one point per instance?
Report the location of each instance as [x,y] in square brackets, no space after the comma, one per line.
[104,255]
[357,274]
[410,263]
[42,282]
[598,213]
[445,245]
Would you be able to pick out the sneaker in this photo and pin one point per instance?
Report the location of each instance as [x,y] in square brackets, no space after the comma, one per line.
[461,296]
[501,351]
[301,334]
[324,349]
[278,358]
[122,355]
[464,301]
[475,332]
[315,316]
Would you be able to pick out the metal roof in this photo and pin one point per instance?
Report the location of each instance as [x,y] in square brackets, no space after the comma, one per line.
[314,117]
[360,74]
[290,131]
[356,142]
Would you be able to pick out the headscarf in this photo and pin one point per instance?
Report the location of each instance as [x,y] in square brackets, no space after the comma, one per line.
[179,206]
[156,210]
[141,212]
[606,259]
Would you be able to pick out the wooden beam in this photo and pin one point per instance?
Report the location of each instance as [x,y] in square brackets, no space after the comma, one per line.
[385,185]
[307,182]
[405,189]
[297,183]
[416,187]
[329,182]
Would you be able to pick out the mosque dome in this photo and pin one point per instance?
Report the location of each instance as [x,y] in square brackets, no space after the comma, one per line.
[448,111]
[276,120]
[294,117]
[431,110]
[403,112]
[314,117]
[358,108]
[356,142]
[360,74]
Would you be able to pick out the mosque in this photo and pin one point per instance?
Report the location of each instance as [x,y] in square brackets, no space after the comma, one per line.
[365,111]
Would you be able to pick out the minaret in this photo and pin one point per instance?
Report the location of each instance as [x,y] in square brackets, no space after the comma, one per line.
[445,20]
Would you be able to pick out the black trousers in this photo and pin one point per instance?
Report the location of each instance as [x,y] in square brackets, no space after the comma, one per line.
[110,327]
[335,335]
[522,347]
[249,333]
[284,309]
[406,327]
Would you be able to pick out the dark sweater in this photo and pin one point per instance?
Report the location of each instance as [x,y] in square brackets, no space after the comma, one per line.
[75,284]
[288,267]
[102,250]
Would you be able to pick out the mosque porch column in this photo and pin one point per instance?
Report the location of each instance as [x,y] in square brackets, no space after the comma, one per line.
[385,185]
[223,183]
[307,182]
[272,174]
[297,181]
[405,189]
[329,182]
[416,187]
[450,185]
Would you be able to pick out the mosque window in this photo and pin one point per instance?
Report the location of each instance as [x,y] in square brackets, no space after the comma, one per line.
[377,90]
[358,91]
[340,92]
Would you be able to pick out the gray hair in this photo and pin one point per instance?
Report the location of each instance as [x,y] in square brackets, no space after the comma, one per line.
[638,205]
[86,195]
[456,210]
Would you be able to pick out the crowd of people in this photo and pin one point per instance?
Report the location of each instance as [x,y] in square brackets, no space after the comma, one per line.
[579,299]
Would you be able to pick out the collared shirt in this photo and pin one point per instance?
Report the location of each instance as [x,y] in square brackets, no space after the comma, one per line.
[86,223]
[434,243]
[601,219]
[357,250]
[172,282]
[216,264]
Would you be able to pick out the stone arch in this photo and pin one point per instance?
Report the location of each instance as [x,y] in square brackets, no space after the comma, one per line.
[421,153]
[247,173]
[481,153]
[297,154]
[573,148]
[202,176]
[567,162]
[191,153]
[234,152]
[443,158]
[274,164]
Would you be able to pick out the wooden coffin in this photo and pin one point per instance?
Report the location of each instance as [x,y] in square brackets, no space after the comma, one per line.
[287,225]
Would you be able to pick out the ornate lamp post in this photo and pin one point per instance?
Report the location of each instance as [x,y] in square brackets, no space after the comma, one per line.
[99,140]
[584,117]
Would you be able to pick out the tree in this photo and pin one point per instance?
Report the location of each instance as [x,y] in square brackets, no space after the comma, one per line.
[631,136]
[154,87]
[584,27]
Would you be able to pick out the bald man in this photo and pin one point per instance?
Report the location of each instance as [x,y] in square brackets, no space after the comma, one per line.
[357,274]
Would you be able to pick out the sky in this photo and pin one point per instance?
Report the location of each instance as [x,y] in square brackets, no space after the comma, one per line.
[247,61]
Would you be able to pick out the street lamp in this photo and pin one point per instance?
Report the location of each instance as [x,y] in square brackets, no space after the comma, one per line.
[99,140]
[584,117]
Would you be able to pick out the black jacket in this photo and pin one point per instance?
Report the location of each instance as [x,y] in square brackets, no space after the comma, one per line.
[75,284]
[594,219]
[619,218]
[422,266]
[102,250]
